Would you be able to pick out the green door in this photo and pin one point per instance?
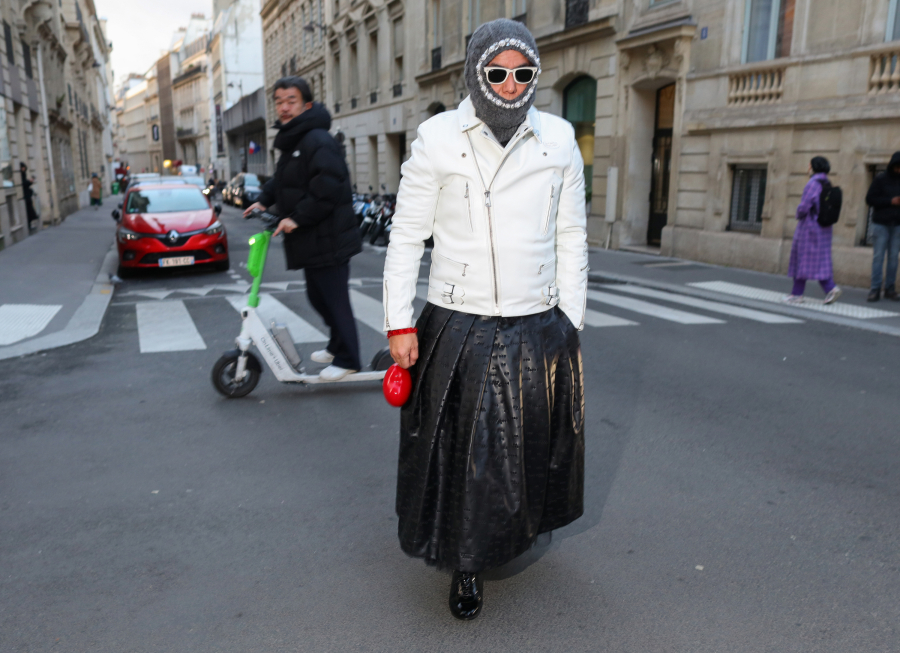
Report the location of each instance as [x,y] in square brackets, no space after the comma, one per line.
[580,109]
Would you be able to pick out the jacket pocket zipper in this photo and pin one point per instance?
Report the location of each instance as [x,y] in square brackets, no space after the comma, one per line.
[387,320]
[549,210]
[546,264]
[469,209]
[450,260]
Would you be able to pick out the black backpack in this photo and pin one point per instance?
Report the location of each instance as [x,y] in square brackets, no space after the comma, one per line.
[830,204]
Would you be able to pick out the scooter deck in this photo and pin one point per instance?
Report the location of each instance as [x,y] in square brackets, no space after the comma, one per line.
[356,377]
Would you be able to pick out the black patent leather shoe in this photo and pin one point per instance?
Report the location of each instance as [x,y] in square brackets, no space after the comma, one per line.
[891,294]
[874,295]
[466,595]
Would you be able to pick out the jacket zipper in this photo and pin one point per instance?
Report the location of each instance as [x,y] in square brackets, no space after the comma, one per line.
[549,210]
[387,320]
[469,208]
[487,203]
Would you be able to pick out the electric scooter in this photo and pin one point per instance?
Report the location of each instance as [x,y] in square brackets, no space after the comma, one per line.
[237,372]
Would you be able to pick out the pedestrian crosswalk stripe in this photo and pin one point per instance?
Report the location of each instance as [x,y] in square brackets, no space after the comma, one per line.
[270,309]
[837,308]
[20,321]
[653,310]
[597,319]
[367,310]
[166,326]
[714,307]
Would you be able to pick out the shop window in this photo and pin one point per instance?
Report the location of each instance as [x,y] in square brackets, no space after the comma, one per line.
[768,27]
[748,193]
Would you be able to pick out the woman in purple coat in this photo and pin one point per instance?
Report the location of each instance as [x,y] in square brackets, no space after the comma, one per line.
[811,249]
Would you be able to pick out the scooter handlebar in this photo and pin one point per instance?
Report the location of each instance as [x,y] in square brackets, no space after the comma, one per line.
[269,220]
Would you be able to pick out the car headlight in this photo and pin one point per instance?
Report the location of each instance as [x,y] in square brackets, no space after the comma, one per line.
[126,235]
[215,228]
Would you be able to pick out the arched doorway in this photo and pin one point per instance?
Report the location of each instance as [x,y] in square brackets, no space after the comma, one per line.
[580,109]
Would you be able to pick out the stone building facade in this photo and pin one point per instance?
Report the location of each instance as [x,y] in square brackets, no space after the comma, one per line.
[696,118]
[190,104]
[54,108]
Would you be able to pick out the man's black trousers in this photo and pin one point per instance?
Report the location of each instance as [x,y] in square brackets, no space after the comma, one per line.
[328,291]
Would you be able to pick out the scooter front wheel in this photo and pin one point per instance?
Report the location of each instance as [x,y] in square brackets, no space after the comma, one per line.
[223,375]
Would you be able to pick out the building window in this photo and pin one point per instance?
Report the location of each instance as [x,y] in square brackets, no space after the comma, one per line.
[319,30]
[435,24]
[26,58]
[397,72]
[576,12]
[305,31]
[893,23]
[748,193]
[7,35]
[373,62]
[338,91]
[519,10]
[354,72]
[768,27]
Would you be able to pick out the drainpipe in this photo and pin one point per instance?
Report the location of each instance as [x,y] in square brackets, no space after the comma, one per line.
[54,203]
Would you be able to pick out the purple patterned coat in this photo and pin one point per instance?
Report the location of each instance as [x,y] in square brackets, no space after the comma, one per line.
[811,249]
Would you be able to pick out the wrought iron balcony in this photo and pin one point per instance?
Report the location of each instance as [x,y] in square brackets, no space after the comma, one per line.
[398,89]
[436,58]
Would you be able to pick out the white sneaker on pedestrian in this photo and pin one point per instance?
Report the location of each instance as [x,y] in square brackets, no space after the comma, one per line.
[321,356]
[832,295]
[334,373]
[792,299]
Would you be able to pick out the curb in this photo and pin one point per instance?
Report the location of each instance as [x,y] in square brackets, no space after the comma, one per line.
[790,311]
[84,324]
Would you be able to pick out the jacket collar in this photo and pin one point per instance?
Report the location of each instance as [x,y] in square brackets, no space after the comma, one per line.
[465,113]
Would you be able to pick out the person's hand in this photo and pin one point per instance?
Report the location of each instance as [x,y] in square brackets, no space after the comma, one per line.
[256,206]
[287,226]
[895,201]
[405,349]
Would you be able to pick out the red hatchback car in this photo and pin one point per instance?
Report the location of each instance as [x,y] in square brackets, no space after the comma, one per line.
[163,226]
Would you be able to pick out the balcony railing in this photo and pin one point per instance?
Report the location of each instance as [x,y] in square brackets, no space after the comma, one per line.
[373,97]
[398,90]
[884,76]
[756,87]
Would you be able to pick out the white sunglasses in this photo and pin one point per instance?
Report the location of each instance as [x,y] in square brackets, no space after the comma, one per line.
[498,75]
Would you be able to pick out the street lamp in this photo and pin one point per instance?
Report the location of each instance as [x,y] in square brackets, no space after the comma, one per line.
[240,87]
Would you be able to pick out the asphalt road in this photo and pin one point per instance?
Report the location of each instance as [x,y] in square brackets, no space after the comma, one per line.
[742,494]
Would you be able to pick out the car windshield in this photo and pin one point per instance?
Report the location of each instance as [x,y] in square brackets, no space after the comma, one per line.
[251,180]
[166,200]
[194,180]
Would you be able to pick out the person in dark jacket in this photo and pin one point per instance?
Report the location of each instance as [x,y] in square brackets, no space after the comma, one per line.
[884,198]
[311,187]
[28,192]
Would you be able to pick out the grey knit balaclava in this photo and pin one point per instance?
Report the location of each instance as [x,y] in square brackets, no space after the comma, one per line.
[489,40]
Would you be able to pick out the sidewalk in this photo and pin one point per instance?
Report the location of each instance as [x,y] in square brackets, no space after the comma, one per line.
[54,286]
[746,288]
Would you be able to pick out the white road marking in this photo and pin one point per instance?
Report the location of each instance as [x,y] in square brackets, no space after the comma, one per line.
[20,321]
[837,308]
[270,309]
[652,310]
[367,310]
[597,319]
[714,307]
[166,326]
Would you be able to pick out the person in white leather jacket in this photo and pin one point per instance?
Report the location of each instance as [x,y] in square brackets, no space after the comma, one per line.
[492,438]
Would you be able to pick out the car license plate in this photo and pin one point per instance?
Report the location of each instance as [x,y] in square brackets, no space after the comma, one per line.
[175,261]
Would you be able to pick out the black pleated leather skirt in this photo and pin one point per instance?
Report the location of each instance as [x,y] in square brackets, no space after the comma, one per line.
[492,438]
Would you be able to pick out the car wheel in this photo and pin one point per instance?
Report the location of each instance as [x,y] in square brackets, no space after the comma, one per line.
[124,273]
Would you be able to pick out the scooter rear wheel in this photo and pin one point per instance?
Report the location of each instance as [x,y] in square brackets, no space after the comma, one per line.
[223,375]
[382,360]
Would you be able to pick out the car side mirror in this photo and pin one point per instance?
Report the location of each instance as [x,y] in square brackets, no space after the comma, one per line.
[218,209]
[116,215]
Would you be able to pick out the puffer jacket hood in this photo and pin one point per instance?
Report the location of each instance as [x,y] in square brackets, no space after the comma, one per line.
[316,117]
[895,161]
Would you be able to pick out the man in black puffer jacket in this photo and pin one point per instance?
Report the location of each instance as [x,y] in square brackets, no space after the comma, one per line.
[311,187]
[884,198]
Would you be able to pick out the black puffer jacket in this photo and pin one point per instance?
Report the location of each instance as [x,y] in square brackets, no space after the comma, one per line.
[311,185]
[885,187]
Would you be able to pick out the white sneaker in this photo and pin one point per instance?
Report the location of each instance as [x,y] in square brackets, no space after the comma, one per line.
[792,299]
[832,295]
[321,356]
[334,373]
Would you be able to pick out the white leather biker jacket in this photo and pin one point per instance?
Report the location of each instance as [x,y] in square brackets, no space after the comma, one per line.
[509,223]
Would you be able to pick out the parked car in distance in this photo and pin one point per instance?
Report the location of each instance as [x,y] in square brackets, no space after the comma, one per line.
[244,189]
[163,225]
[194,180]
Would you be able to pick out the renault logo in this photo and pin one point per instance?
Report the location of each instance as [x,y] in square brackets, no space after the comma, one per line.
[173,236]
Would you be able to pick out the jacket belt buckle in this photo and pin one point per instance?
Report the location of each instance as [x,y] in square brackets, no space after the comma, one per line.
[551,295]
[452,294]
